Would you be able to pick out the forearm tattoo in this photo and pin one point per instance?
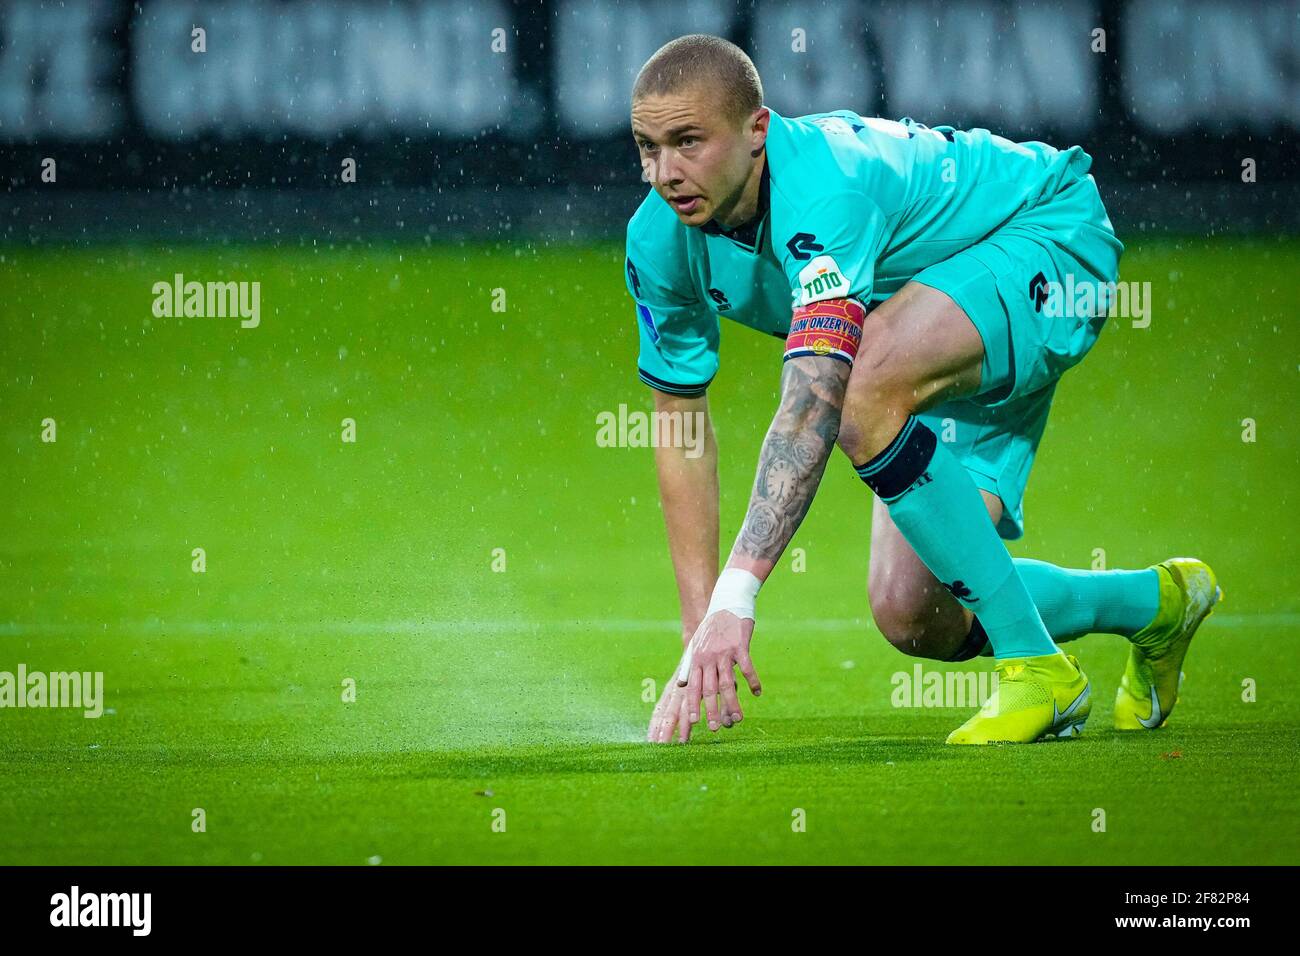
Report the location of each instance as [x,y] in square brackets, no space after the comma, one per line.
[794,454]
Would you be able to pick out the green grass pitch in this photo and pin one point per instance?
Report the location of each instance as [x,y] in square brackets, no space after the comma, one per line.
[521,690]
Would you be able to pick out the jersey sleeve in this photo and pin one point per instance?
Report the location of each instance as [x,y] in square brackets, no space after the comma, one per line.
[678,334]
[833,254]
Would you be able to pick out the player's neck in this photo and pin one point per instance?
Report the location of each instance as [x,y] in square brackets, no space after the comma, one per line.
[746,208]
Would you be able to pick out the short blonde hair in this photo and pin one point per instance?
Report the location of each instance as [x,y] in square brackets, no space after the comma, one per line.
[699,59]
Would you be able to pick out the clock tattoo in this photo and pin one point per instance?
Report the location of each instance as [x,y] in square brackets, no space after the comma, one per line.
[794,454]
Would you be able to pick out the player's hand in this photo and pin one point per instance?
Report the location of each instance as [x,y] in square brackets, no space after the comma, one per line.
[707,673]
[670,713]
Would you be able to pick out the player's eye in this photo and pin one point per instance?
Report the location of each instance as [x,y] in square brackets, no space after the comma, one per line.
[647,145]
[687,140]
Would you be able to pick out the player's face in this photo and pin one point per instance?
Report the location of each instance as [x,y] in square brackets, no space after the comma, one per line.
[696,159]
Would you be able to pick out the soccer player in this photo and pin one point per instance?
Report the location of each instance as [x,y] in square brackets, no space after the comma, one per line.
[910,272]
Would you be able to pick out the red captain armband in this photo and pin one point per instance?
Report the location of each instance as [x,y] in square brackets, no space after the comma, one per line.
[830,327]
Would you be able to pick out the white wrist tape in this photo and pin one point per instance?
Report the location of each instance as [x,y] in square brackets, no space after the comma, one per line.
[735,592]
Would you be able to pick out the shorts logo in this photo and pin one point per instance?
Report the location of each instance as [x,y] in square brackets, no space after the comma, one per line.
[822,279]
[803,244]
[1038,291]
[720,297]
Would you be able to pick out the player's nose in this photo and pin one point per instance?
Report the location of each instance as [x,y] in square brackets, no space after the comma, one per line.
[666,171]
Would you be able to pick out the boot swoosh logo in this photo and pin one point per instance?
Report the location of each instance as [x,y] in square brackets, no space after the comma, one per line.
[1059,715]
[1153,721]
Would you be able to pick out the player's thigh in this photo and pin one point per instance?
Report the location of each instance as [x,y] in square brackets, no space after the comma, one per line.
[919,350]
[919,342]
[914,611]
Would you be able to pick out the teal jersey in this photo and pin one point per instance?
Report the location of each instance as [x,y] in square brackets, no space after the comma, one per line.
[855,207]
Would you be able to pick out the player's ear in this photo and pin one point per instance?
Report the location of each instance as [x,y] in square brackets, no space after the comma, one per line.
[758,123]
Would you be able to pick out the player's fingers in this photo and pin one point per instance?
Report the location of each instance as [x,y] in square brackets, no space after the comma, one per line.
[659,728]
[657,715]
[693,691]
[711,695]
[683,721]
[665,715]
[730,703]
[724,681]
[675,714]
[664,732]
[746,665]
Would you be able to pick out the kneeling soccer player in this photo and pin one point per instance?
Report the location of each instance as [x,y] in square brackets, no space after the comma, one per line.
[911,272]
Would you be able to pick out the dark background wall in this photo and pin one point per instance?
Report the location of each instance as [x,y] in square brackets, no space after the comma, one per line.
[509,119]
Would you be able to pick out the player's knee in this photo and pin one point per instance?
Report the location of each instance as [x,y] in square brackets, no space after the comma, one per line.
[913,628]
[873,409]
[879,394]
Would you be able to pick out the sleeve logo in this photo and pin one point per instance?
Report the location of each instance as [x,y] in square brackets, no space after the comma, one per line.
[803,244]
[648,320]
[634,279]
[822,279]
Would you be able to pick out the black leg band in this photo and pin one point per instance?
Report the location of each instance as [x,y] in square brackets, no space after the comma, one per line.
[896,468]
[975,642]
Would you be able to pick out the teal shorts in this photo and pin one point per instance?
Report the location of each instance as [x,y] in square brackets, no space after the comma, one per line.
[1036,289]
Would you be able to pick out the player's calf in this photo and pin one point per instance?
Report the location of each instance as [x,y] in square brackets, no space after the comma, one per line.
[911,608]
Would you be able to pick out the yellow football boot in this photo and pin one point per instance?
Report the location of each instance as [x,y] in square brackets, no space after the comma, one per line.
[1036,697]
[1149,689]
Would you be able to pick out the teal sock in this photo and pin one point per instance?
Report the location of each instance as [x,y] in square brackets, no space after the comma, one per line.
[940,513]
[1074,603]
